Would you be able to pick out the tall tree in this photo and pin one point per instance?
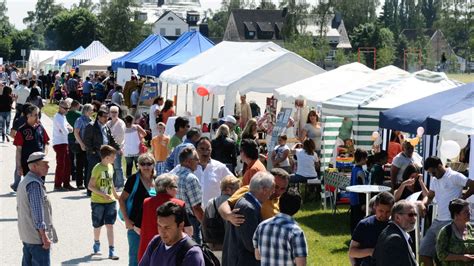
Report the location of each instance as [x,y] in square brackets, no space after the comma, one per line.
[430,10]
[25,39]
[372,35]
[119,29]
[45,10]
[71,29]
[356,13]
[87,4]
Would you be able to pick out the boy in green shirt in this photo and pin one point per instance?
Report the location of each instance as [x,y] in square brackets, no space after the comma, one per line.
[103,198]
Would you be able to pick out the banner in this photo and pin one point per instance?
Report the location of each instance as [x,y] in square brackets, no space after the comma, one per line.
[149,92]
[281,123]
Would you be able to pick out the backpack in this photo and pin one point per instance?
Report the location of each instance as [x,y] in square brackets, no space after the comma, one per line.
[209,258]
[213,229]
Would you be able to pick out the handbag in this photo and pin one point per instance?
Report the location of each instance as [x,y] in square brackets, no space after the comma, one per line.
[129,202]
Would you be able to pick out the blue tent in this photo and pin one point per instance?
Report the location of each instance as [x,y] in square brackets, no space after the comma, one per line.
[63,60]
[184,48]
[151,45]
[427,112]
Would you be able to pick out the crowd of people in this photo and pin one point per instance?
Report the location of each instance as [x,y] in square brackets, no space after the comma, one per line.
[178,192]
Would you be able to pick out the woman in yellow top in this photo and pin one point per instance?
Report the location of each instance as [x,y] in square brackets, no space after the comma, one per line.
[159,144]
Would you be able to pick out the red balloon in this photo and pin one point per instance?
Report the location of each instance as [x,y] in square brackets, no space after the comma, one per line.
[202,91]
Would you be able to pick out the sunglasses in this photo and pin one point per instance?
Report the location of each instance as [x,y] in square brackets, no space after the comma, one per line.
[410,214]
[146,164]
[65,108]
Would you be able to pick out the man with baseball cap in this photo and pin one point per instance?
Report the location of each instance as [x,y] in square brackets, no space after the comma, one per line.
[35,223]
[231,122]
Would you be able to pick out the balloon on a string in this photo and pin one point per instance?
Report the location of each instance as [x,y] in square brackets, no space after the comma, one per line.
[450,149]
[420,131]
[202,91]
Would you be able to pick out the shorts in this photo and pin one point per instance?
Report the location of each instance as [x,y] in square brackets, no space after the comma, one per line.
[428,243]
[103,213]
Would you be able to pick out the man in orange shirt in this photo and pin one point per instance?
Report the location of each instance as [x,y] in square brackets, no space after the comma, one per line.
[249,155]
[160,148]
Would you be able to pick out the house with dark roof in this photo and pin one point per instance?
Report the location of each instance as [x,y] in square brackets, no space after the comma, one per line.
[246,25]
[171,26]
[441,49]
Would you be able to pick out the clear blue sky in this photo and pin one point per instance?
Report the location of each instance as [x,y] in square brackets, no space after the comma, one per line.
[17,8]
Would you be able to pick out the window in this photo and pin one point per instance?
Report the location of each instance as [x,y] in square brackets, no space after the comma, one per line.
[178,31]
[163,31]
[170,19]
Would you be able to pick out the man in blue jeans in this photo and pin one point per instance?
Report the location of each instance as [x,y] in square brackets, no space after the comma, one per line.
[35,223]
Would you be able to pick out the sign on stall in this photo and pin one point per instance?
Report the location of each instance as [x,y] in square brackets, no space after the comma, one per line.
[280,126]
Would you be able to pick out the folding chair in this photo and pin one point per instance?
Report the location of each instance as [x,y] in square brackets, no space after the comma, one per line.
[335,182]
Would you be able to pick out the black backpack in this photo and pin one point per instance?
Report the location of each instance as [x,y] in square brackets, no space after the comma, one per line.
[213,228]
[209,258]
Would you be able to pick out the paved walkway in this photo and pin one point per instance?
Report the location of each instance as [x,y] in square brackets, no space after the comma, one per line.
[71,216]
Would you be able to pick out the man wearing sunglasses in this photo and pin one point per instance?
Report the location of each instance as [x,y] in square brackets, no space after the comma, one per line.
[61,129]
[394,245]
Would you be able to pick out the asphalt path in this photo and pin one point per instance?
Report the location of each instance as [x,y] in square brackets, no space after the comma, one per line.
[71,217]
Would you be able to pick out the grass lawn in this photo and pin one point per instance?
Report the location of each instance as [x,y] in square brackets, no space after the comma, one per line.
[466,78]
[327,234]
[50,109]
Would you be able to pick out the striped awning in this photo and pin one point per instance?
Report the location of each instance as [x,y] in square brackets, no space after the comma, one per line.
[94,50]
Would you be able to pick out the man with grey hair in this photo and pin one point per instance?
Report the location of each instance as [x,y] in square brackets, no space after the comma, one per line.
[79,129]
[238,246]
[190,190]
[394,245]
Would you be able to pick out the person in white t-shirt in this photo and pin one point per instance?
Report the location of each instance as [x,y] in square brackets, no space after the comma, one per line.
[307,162]
[280,154]
[446,185]
[154,112]
[61,129]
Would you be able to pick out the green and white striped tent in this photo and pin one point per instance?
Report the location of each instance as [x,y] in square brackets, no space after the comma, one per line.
[363,105]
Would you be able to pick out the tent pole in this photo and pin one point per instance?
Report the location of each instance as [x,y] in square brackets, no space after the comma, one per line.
[212,115]
[176,96]
[186,99]
[202,110]
[166,91]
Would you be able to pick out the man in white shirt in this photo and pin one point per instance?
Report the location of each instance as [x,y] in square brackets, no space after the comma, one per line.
[445,186]
[20,94]
[61,129]
[117,128]
[209,171]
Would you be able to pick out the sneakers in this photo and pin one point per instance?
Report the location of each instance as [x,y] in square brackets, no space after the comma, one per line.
[112,255]
[96,248]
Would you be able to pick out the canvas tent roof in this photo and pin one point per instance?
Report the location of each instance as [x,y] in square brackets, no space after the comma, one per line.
[100,63]
[52,59]
[256,71]
[63,59]
[462,122]
[319,88]
[212,59]
[151,45]
[428,111]
[37,56]
[184,48]
[95,49]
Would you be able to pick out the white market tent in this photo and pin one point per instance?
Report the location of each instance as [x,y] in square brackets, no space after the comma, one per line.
[256,71]
[94,50]
[38,56]
[319,88]
[50,62]
[461,122]
[100,63]
[212,59]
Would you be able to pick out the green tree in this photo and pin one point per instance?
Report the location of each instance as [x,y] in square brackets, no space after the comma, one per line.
[265,4]
[430,9]
[5,47]
[119,30]
[341,57]
[218,23]
[303,45]
[357,12]
[372,35]
[5,31]
[295,19]
[25,39]
[71,29]
[45,10]
[389,17]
